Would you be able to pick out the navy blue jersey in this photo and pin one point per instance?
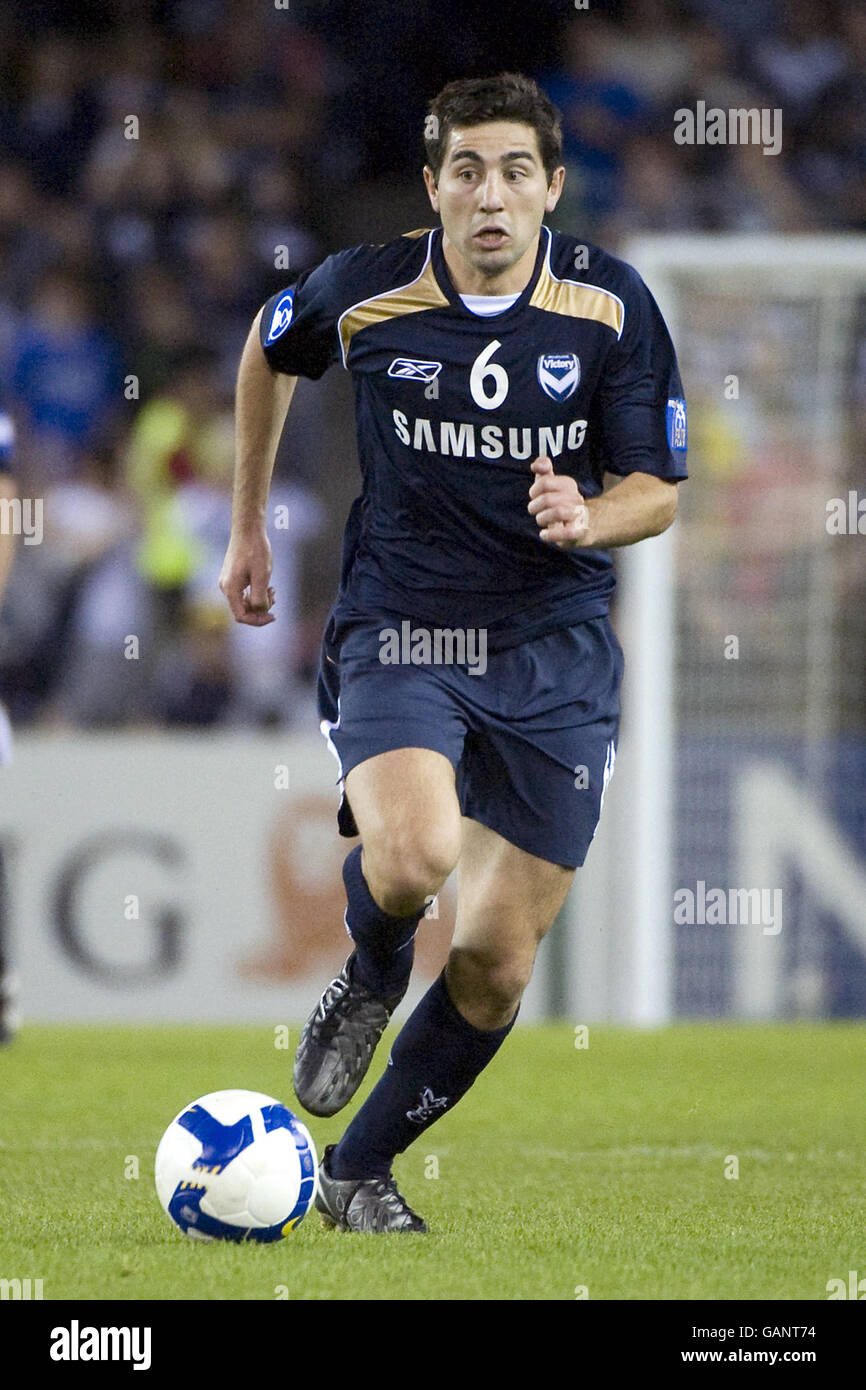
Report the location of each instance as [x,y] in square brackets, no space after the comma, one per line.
[452,407]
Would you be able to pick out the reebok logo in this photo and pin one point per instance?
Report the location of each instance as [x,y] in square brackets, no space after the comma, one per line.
[408,369]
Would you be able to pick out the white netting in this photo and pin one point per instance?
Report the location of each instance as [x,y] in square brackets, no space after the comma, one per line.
[771,607]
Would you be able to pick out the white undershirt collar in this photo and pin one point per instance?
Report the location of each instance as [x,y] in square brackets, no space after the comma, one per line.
[485,304]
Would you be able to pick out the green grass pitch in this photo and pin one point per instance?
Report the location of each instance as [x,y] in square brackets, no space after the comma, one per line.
[565,1169]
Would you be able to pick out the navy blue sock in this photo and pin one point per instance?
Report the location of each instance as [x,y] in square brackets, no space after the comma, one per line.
[437,1056]
[384,945]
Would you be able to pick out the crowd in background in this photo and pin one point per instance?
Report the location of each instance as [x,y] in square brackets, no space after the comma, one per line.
[164,167]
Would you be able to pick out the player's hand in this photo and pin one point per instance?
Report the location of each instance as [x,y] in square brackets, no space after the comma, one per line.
[558,507]
[244,577]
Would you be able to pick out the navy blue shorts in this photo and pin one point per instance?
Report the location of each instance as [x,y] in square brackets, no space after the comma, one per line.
[532,739]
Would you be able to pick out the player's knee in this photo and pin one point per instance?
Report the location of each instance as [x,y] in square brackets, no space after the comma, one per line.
[489,989]
[504,986]
[407,873]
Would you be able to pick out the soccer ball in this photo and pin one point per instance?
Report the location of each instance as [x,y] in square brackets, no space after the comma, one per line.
[236,1165]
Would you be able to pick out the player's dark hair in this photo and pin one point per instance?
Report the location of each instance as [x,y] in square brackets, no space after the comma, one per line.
[507,97]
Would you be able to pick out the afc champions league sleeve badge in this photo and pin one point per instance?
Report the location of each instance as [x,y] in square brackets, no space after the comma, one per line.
[559,374]
[676,421]
[281,317]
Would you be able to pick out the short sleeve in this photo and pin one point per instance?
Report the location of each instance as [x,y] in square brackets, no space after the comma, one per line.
[298,329]
[640,398]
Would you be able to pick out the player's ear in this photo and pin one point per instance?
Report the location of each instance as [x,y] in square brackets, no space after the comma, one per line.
[432,189]
[554,188]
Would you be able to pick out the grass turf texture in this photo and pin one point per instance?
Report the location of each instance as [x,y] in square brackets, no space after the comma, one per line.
[601,1167]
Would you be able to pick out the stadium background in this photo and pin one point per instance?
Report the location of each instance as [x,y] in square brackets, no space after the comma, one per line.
[167,827]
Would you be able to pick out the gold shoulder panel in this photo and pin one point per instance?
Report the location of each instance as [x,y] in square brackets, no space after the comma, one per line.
[423,293]
[577,301]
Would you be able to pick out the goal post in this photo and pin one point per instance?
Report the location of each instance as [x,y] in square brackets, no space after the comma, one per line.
[738,627]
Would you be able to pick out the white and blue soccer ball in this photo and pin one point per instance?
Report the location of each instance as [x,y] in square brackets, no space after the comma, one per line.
[236,1165]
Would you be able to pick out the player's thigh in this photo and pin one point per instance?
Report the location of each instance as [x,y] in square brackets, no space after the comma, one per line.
[405,806]
[507,899]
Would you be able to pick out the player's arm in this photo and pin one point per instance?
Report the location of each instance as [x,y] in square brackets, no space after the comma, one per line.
[640,418]
[262,401]
[628,510]
[7,538]
[294,334]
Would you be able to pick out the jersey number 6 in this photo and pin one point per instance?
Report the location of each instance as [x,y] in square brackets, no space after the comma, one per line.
[482,367]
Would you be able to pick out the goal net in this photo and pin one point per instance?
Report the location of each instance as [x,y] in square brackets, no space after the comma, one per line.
[728,877]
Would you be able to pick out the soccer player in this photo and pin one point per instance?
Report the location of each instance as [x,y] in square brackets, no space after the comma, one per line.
[519,412]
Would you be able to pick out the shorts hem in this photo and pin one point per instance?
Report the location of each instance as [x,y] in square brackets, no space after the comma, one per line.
[433,741]
[565,860]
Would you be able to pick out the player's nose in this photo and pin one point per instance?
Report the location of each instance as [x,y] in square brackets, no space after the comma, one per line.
[491,193]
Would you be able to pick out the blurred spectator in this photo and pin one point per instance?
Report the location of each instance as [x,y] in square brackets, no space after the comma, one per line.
[714,77]
[798,61]
[732,187]
[65,380]
[744,20]
[56,115]
[600,108]
[180,470]
[160,328]
[650,50]
[224,281]
[830,160]
[26,248]
[657,196]
[753,193]
[277,217]
[90,526]
[178,438]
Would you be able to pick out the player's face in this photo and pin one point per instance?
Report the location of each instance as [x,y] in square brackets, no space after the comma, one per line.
[491,195]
